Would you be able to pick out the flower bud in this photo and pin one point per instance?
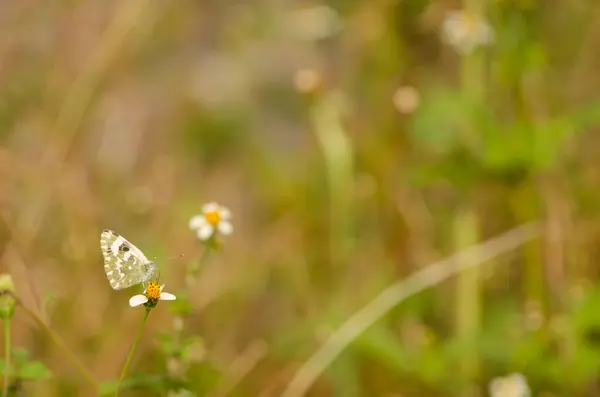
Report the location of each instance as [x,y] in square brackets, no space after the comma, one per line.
[7,298]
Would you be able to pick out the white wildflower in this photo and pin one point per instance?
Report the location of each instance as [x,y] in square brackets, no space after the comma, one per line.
[214,218]
[513,385]
[153,293]
[465,31]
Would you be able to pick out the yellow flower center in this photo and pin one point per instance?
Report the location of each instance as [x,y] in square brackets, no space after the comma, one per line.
[213,217]
[153,291]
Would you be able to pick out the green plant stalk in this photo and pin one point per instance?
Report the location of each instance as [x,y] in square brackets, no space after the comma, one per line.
[135,343]
[526,205]
[553,246]
[466,231]
[7,355]
[195,268]
[61,345]
[337,152]
[472,76]
[468,295]
[192,272]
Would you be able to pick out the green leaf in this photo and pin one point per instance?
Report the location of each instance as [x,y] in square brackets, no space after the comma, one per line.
[586,116]
[436,122]
[549,141]
[27,370]
[450,119]
[34,370]
[505,149]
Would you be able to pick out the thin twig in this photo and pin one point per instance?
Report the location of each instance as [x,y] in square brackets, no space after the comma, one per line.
[396,293]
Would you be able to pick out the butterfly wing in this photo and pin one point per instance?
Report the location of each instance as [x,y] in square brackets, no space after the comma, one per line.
[124,264]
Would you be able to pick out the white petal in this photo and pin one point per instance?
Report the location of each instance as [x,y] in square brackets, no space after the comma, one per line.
[161,287]
[197,221]
[137,300]
[205,232]
[210,207]
[485,33]
[225,213]
[225,228]
[165,296]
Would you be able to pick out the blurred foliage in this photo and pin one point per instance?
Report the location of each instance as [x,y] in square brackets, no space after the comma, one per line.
[130,115]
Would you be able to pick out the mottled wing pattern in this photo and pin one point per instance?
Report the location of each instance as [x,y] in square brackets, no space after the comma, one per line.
[124,264]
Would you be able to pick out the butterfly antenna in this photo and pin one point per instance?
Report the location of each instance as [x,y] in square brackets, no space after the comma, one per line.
[170,257]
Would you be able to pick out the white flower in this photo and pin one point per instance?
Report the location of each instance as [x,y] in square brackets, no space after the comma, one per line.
[465,32]
[513,385]
[181,393]
[153,293]
[214,217]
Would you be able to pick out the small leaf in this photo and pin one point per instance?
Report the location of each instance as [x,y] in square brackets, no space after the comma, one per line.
[436,123]
[34,370]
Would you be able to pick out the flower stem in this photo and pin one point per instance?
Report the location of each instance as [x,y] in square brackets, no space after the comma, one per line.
[7,356]
[195,268]
[337,151]
[135,342]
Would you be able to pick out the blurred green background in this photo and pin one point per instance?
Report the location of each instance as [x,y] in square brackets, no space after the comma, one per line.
[353,147]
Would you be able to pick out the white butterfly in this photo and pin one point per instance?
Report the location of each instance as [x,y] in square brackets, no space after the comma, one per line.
[124,263]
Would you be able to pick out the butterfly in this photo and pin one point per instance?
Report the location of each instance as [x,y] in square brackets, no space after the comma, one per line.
[124,264]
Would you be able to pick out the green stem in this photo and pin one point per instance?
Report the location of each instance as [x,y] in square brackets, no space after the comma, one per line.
[195,268]
[192,272]
[468,292]
[135,342]
[338,154]
[7,356]
[466,228]
[61,345]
